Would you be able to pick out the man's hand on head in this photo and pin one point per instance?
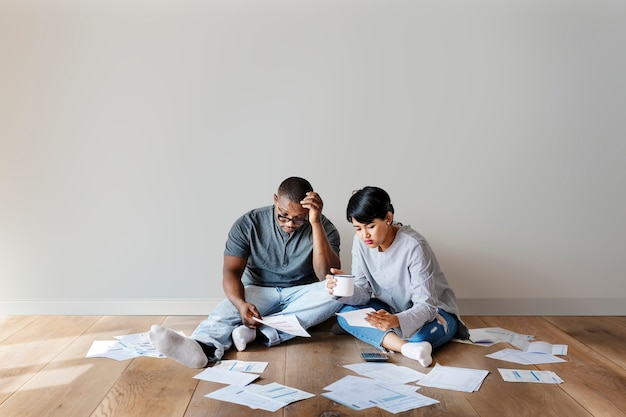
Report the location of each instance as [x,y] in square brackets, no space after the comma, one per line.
[313,202]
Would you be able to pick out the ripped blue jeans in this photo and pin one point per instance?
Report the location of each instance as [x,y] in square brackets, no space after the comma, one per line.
[434,332]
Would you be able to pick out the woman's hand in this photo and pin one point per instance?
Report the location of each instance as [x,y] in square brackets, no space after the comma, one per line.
[331,282]
[383,320]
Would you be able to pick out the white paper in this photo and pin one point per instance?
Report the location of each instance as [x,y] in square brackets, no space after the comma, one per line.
[140,343]
[489,336]
[408,402]
[545,347]
[239,395]
[285,323]
[453,378]
[126,347]
[360,393]
[524,358]
[525,375]
[361,382]
[110,349]
[388,372]
[241,366]
[226,377]
[357,317]
[270,397]
[280,393]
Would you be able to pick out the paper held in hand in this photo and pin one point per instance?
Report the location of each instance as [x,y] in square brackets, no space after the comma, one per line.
[357,317]
[287,324]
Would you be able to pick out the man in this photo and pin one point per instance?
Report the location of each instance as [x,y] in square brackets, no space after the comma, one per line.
[275,260]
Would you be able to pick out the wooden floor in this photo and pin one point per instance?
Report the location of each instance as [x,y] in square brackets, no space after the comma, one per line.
[44,372]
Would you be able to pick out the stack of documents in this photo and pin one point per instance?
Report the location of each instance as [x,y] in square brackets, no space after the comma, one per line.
[360,393]
[489,336]
[457,379]
[530,353]
[387,372]
[270,397]
[238,375]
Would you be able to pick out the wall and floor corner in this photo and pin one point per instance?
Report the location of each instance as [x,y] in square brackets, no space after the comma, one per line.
[201,307]
[132,134]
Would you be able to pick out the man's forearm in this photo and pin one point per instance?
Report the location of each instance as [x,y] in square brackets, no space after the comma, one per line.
[324,257]
[234,290]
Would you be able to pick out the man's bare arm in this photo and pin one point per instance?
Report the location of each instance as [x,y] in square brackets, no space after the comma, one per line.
[234,289]
[324,257]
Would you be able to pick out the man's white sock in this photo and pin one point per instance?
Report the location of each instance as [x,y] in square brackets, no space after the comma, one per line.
[243,335]
[420,351]
[178,347]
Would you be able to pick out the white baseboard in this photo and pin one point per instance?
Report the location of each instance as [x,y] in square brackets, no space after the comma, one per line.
[118,307]
[542,306]
[202,307]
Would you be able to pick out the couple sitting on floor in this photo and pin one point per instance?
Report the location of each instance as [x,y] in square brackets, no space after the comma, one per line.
[280,259]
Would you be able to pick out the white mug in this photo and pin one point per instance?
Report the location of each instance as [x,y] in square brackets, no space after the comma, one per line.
[344,285]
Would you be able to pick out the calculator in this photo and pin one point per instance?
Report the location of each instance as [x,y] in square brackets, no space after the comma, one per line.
[375,356]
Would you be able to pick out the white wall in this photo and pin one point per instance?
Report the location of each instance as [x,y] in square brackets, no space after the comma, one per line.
[132,134]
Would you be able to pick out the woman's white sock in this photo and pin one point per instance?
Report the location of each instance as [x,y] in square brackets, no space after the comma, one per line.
[178,347]
[420,351]
[243,335]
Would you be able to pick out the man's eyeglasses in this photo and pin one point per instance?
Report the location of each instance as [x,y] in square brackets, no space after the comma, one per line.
[295,220]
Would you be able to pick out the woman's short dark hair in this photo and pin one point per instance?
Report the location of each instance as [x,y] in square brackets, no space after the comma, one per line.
[367,204]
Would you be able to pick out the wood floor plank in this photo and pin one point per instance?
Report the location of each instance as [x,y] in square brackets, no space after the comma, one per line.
[276,357]
[330,353]
[451,403]
[605,335]
[150,387]
[45,374]
[590,379]
[499,398]
[72,385]
[200,406]
[30,349]
[12,324]
[185,324]
[619,320]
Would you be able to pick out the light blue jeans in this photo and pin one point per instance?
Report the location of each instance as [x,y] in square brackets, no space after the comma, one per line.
[310,303]
[434,332]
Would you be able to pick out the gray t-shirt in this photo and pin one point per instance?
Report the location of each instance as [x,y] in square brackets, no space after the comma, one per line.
[275,258]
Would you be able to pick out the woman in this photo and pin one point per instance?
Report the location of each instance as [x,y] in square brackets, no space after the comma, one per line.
[397,274]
